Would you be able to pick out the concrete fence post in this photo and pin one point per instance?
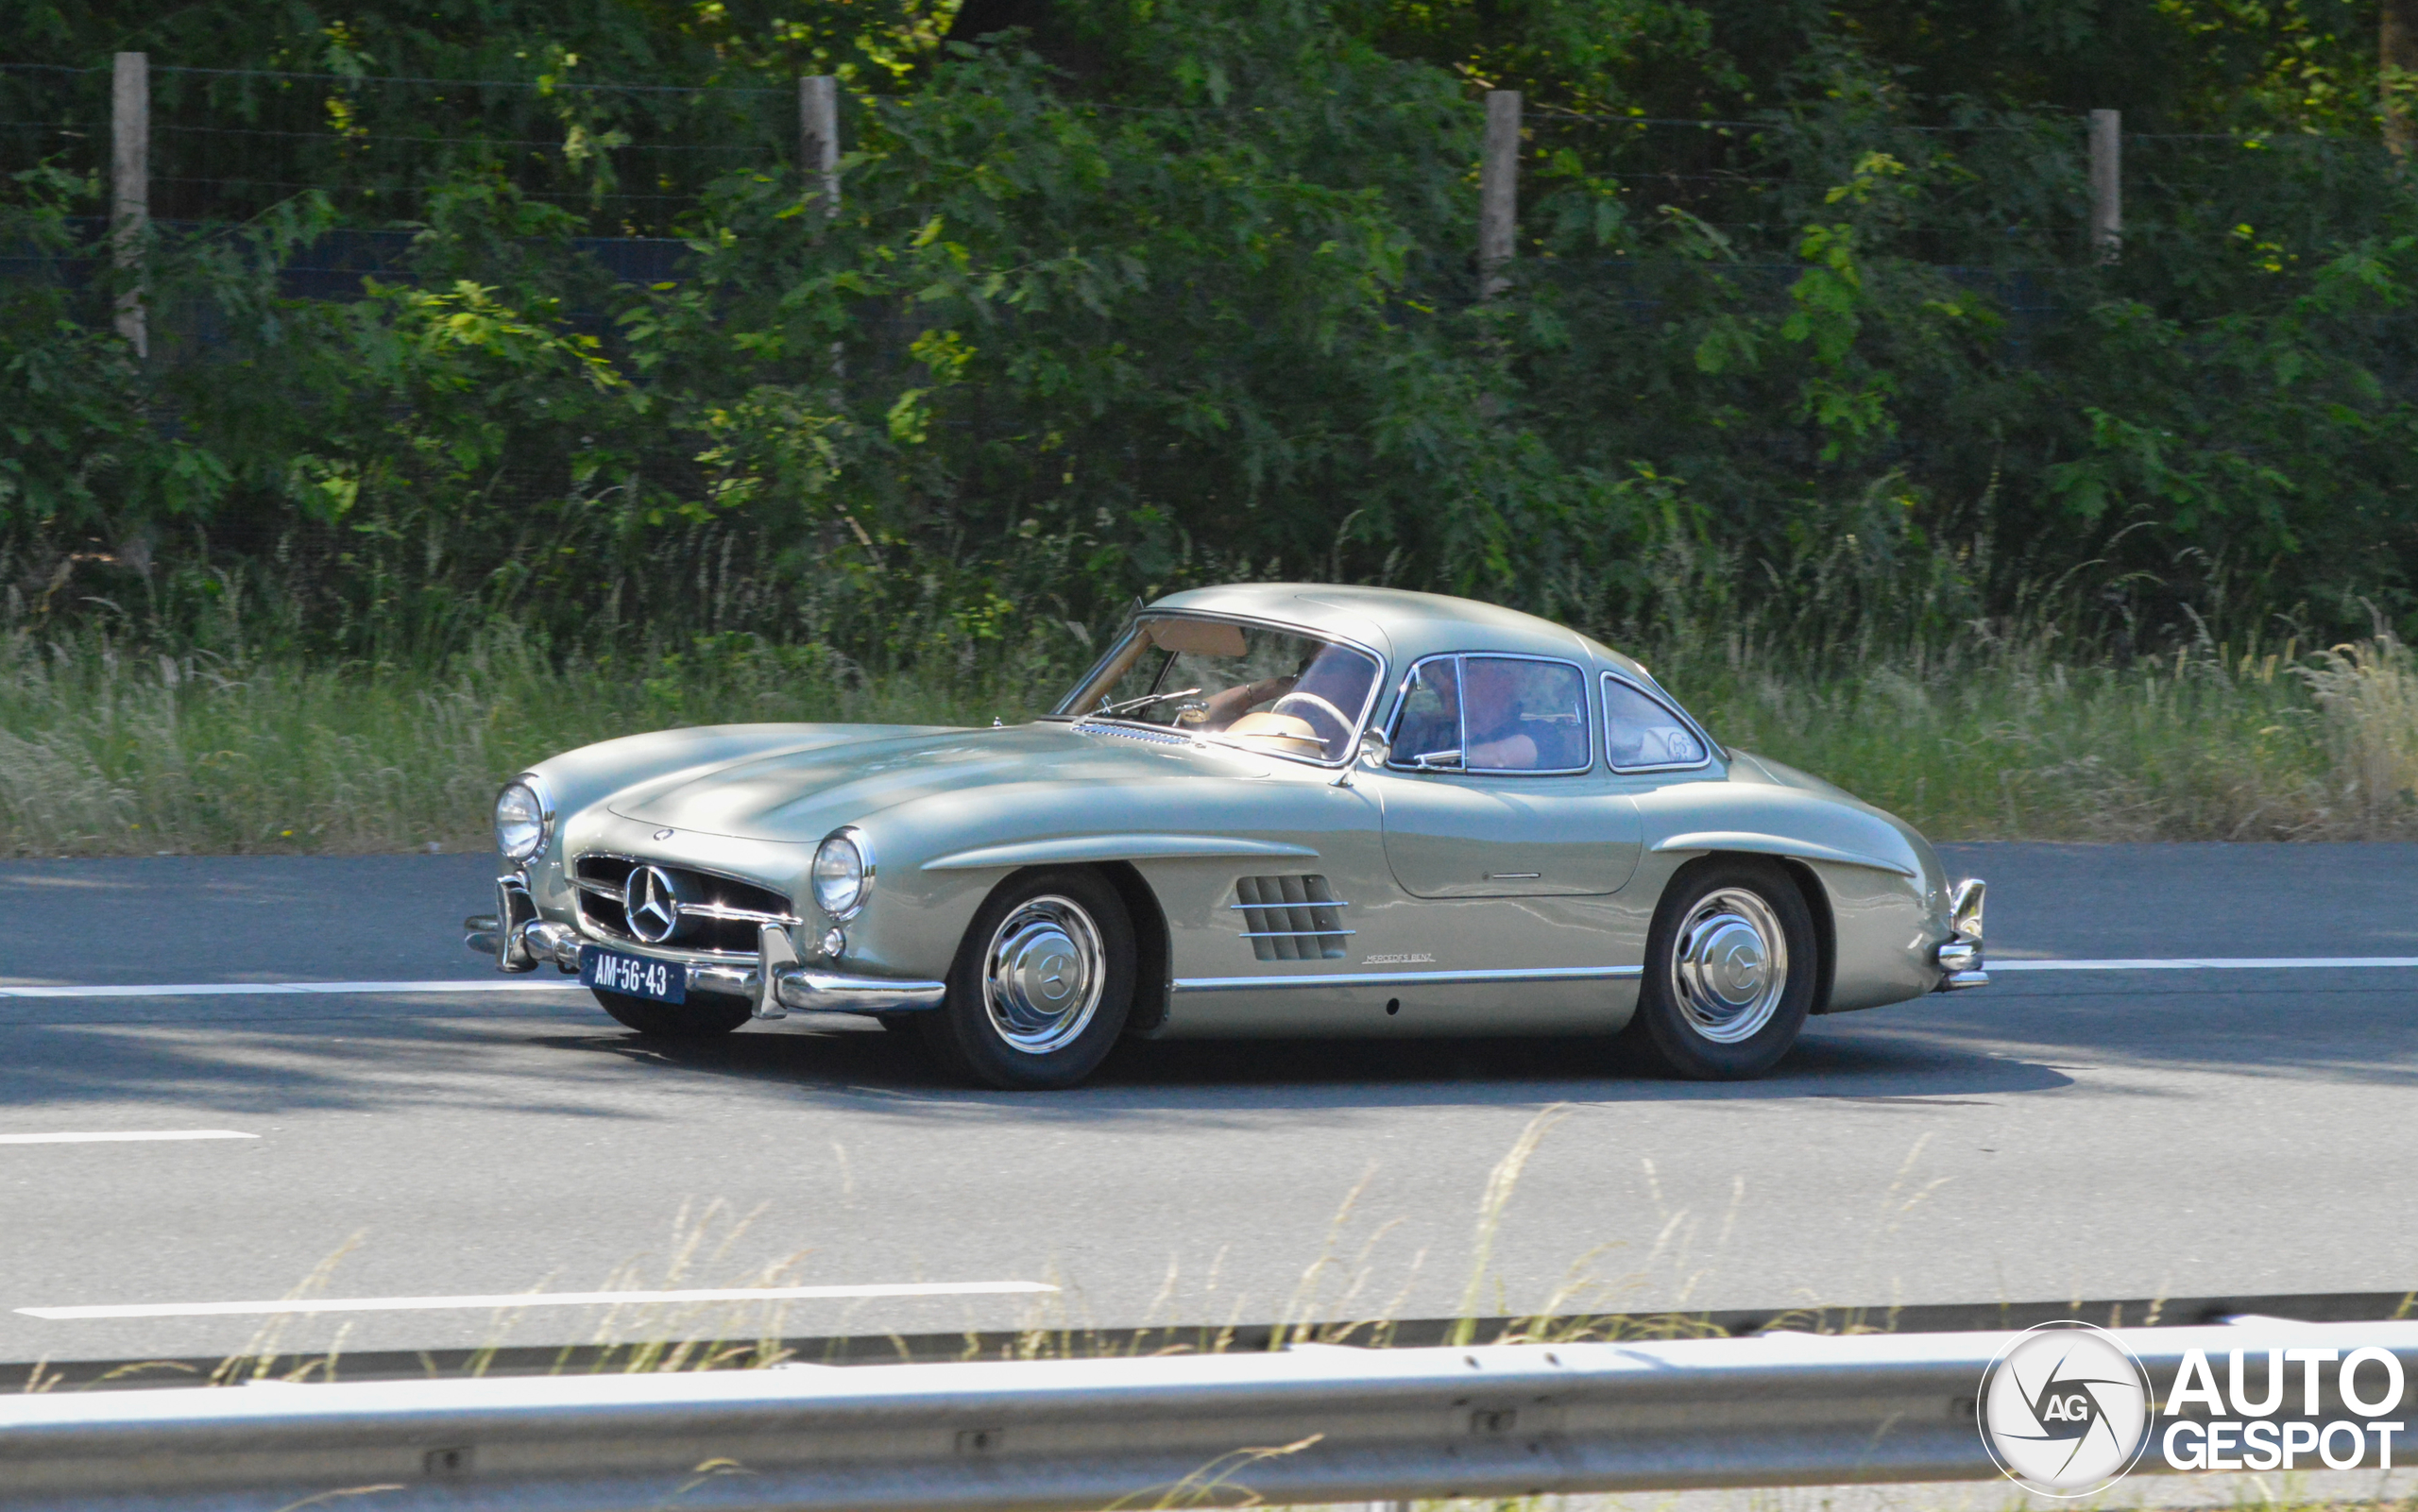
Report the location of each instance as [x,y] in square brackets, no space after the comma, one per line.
[2108,184]
[818,140]
[131,188]
[1498,191]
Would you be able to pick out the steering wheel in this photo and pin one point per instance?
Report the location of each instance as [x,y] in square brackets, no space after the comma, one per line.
[1312,704]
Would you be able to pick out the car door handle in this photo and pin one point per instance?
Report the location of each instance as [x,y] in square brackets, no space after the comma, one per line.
[1513,876]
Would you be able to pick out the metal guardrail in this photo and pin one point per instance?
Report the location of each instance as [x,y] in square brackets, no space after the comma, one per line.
[961,1346]
[1308,1424]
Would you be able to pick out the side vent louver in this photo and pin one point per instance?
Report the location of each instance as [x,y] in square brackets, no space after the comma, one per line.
[1291,918]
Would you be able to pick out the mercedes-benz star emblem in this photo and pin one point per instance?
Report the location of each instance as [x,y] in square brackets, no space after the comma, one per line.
[650,905]
[1053,976]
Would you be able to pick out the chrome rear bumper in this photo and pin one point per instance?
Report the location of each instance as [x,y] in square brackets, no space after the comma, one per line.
[1959,958]
[517,941]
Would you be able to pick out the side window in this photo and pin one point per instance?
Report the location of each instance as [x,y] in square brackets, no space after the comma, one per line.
[1523,716]
[1640,734]
[1430,724]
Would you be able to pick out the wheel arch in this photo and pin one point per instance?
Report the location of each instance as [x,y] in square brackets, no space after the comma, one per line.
[1151,945]
[1826,928]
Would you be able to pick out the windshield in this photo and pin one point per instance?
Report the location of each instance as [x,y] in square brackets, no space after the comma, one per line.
[1274,690]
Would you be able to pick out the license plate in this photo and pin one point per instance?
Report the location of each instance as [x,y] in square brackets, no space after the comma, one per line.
[658,981]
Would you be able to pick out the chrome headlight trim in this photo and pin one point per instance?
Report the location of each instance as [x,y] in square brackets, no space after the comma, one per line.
[540,805]
[842,905]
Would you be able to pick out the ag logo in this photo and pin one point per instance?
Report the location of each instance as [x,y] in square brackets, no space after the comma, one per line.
[2065,1410]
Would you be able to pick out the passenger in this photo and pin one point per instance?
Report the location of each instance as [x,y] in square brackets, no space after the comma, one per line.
[1503,732]
[1495,735]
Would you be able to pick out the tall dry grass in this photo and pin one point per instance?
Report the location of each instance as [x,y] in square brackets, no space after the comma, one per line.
[2013,742]
[105,750]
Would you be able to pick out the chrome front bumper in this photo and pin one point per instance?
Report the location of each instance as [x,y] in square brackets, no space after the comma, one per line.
[517,941]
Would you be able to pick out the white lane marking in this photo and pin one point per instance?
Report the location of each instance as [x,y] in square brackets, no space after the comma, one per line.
[481,984]
[2210,963]
[413,1304]
[123,1136]
[474,984]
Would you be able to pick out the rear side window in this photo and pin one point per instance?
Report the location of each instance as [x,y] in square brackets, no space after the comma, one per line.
[1640,734]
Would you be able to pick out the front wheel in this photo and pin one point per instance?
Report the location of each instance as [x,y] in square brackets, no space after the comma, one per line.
[1730,969]
[699,1018]
[1041,985]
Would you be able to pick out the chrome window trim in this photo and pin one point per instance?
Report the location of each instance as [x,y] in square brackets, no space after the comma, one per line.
[1402,694]
[1359,725]
[1668,705]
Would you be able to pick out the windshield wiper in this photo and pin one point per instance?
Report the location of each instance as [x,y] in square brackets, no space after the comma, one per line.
[1107,708]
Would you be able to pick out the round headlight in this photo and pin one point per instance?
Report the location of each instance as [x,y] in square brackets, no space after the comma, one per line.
[519,821]
[840,875]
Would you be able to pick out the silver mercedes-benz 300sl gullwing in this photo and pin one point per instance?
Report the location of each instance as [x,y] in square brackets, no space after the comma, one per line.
[1270,809]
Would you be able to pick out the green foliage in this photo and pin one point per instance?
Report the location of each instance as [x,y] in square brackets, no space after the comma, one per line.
[1204,307]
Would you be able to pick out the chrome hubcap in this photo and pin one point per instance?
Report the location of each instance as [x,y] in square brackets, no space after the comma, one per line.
[1043,974]
[1730,965]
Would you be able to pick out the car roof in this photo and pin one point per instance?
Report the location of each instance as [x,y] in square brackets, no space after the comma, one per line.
[1404,625]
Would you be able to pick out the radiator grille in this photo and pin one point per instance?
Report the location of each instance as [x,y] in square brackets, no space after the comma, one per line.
[1291,918]
[719,915]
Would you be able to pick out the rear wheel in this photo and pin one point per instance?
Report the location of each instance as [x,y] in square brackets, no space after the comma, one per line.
[1730,971]
[699,1018]
[1041,985]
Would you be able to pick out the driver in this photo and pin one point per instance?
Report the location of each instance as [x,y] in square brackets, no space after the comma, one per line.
[1322,693]
[1223,707]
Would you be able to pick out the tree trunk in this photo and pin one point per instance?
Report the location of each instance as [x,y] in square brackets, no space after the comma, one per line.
[2398,73]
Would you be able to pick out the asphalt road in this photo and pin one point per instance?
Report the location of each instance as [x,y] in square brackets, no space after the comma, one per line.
[2056,1134]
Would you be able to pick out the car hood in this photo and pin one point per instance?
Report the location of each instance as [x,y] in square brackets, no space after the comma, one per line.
[803,795]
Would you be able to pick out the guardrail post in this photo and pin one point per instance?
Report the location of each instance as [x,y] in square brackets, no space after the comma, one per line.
[818,140]
[2108,184]
[1498,193]
[131,188]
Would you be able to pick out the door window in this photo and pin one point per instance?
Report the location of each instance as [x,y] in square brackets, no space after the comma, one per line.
[1493,714]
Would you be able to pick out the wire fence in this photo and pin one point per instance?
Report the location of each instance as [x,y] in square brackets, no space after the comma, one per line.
[2004,194]
[224,144]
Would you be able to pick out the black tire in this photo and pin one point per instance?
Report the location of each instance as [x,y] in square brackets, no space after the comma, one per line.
[699,1018]
[1007,1034]
[1681,1023]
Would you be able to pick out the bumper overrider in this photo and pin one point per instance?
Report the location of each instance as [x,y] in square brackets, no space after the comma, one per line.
[776,982]
[1960,956]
